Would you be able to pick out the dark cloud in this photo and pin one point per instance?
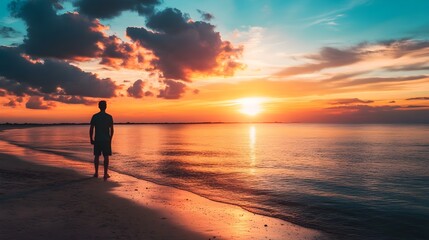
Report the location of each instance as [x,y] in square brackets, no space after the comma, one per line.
[417,98]
[55,77]
[12,103]
[2,93]
[410,67]
[117,53]
[205,15]
[417,106]
[8,32]
[377,80]
[369,114]
[348,101]
[66,36]
[345,76]
[364,108]
[148,94]
[113,8]
[35,102]
[69,99]
[136,90]
[17,88]
[173,89]
[71,36]
[392,102]
[328,57]
[183,47]
[402,47]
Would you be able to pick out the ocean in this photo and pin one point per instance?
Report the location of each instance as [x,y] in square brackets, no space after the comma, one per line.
[362,181]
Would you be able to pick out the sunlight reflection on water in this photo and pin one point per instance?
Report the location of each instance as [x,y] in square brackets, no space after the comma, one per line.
[351,180]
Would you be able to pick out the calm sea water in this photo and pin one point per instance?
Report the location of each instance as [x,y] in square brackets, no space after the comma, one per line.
[351,181]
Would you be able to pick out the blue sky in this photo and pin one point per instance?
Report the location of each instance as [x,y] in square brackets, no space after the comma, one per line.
[316,21]
[313,22]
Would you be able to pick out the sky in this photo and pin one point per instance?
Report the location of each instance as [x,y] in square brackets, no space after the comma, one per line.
[336,61]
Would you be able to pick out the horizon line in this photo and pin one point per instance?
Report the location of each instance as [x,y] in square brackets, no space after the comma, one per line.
[205,122]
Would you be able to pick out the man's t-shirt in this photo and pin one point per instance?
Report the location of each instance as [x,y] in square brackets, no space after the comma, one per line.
[102,122]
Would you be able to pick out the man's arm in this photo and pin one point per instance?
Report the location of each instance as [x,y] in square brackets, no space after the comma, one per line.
[91,133]
[111,128]
[111,132]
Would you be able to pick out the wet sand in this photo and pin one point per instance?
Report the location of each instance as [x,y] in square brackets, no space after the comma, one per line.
[44,196]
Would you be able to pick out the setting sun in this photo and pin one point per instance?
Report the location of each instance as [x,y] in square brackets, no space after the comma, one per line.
[250,106]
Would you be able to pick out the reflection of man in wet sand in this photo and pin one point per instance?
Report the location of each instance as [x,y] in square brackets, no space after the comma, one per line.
[103,124]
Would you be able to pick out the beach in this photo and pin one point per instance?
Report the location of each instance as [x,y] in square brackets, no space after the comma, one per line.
[45,197]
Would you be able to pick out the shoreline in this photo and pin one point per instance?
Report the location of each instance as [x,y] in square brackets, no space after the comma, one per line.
[181,212]
[28,125]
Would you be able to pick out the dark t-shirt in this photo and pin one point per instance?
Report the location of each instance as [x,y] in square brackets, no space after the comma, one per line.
[102,122]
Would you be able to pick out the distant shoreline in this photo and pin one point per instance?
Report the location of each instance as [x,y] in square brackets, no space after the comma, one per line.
[132,123]
[8,125]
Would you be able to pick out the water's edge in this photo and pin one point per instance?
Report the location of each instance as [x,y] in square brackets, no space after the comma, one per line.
[73,158]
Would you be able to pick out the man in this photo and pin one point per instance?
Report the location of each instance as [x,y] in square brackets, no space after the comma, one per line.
[103,124]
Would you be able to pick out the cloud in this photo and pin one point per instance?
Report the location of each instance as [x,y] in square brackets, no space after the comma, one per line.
[13,102]
[173,89]
[54,77]
[8,32]
[306,88]
[417,106]
[205,15]
[117,53]
[417,98]
[113,8]
[378,80]
[344,76]
[72,36]
[328,57]
[364,108]
[183,47]
[402,47]
[69,99]
[331,20]
[66,36]
[171,47]
[149,94]
[348,101]
[35,102]
[410,67]
[136,90]
[369,114]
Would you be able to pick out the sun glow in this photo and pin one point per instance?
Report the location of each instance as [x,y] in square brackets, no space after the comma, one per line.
[250,106]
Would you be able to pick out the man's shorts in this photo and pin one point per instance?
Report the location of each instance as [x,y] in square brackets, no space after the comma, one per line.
[102,147]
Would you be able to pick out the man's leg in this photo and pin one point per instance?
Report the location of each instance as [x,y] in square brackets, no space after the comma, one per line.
[106,166]
[96,163]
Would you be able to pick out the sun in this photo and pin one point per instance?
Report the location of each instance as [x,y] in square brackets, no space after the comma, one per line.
[250,106]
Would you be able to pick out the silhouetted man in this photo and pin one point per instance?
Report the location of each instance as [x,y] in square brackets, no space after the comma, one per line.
[103,124]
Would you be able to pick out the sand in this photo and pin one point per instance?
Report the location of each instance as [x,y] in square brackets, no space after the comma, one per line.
[43,196]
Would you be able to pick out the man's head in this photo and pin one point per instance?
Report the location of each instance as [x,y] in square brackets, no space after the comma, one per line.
[102,105]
